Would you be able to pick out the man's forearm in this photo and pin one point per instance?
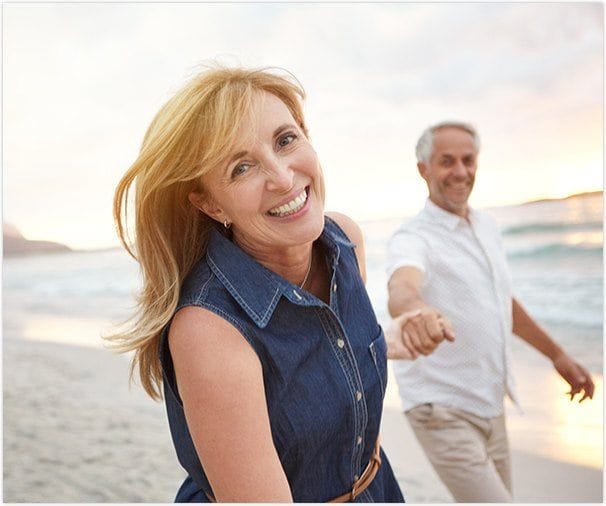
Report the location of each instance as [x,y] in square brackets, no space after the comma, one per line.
[403,298]
[529,330]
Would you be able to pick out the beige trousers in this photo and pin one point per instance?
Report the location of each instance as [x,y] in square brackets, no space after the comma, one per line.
[469,453]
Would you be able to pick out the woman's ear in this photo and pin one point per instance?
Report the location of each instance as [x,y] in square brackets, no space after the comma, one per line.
[207,205]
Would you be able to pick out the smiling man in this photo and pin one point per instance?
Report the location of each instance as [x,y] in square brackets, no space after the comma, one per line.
[448,264]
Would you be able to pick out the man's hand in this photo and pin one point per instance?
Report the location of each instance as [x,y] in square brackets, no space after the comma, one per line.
[577,377]
[417,333]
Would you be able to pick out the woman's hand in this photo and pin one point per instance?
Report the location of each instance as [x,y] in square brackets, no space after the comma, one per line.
[417,332]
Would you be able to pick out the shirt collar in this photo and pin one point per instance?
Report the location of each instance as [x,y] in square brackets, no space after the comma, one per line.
[446,218]
[254,287]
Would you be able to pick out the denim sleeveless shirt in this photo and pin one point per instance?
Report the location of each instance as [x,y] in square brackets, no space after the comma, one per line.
[324,369]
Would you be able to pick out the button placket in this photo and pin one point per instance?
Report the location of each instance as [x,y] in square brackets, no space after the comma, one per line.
[348,362]
[359,404]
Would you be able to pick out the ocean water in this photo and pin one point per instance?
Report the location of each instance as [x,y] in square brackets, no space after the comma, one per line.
[554,249]
[555,255]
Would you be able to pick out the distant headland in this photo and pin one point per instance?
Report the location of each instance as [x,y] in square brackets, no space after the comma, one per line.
[569,197]
[14,244]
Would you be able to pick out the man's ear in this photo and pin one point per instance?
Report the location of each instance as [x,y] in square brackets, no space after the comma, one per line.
[207,205]
[422,168]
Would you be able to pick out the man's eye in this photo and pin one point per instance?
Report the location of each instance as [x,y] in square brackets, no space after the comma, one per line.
[239,169]
[286,140]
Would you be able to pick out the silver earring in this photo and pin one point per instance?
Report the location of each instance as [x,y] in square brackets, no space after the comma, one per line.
[226,224]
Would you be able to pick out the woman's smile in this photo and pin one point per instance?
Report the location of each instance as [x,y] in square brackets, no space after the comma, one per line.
[292,207]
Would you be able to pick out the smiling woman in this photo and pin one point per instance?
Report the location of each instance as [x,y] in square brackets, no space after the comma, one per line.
[253,313]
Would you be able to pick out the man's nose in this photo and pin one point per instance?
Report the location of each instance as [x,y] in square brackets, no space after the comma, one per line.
[459,169]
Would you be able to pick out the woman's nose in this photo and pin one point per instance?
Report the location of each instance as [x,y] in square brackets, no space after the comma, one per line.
[280,177]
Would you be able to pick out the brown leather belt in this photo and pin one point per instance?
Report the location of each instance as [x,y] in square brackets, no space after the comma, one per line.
[361,484]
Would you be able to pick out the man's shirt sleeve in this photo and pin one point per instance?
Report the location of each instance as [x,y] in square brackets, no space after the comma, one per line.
[406,249]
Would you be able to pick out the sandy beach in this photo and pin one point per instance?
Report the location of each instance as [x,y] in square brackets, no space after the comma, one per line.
[75,432]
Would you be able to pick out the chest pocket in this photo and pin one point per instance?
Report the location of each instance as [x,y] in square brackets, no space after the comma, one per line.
[378,353]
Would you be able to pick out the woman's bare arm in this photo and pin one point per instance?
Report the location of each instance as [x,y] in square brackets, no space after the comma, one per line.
[220,381]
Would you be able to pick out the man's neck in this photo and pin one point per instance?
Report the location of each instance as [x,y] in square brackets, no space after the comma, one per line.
[462,212]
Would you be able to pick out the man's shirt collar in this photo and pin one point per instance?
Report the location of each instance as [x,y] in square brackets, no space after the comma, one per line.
[446,218]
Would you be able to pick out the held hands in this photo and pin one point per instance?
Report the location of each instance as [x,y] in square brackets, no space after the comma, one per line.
[577,377]
[417,332]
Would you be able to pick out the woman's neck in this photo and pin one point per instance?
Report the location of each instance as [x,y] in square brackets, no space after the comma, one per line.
[294,263]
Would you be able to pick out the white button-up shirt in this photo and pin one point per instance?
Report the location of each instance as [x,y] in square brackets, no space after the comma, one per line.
[466,278]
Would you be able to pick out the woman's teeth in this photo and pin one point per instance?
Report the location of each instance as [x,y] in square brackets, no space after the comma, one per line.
[291,207]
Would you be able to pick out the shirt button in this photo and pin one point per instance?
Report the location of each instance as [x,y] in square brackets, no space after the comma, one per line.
[340,343]
[356,477]
[297,295]
[358,395]
[359,440]
[334,287]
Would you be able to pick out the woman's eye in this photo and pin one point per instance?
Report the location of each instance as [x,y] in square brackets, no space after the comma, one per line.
[239,169]
[286,140]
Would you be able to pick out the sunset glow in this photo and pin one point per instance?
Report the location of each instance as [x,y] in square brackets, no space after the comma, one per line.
[67,143]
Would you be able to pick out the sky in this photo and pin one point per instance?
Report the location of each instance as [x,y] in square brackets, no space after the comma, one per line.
[81,82]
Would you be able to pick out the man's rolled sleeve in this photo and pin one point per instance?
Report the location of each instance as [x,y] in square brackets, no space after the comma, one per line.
[406,249]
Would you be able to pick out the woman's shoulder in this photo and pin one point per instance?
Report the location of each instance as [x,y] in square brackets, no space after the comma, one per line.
[353,232]
[349,227]
[199,334]
[196,322]
[196,285]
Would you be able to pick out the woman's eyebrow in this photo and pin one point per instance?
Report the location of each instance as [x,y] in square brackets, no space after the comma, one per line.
[239,154]
[281,128]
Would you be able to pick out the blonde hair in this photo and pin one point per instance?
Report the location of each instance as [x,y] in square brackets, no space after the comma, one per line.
[190,134]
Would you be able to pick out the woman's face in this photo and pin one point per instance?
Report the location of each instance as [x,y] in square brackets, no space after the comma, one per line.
[270,186]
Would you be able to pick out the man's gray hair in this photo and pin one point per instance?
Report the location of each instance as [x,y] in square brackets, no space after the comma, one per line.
[424,147]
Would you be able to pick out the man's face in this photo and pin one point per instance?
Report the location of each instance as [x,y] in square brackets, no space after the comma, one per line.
[451,170]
